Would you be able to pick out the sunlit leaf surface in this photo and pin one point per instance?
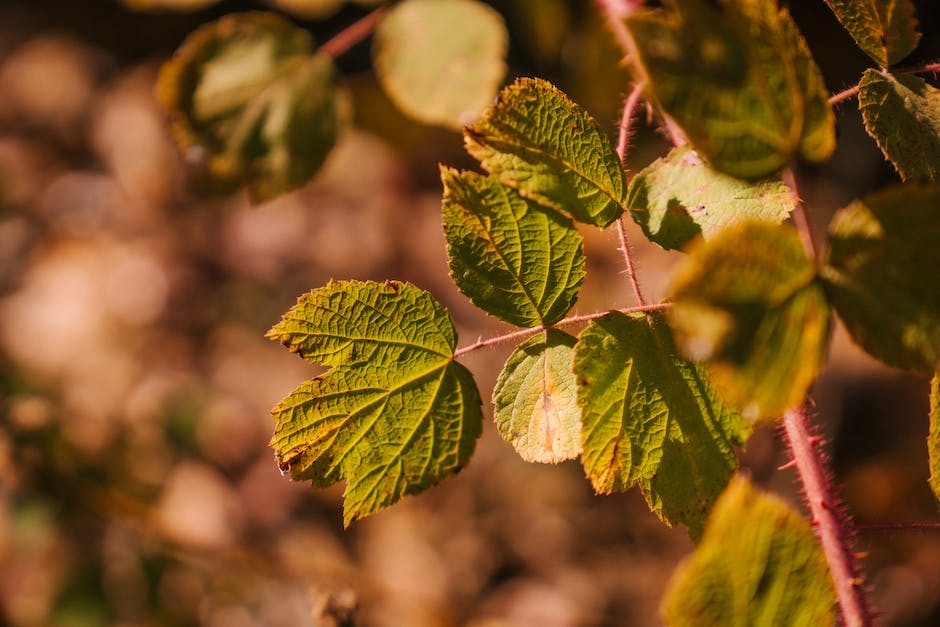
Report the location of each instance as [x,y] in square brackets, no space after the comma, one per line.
[933,439]
[885,29]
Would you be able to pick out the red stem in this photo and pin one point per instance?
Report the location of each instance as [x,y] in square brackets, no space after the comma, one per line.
[845,94]
[353,34]
[799,215]
[828,517]
[623,142]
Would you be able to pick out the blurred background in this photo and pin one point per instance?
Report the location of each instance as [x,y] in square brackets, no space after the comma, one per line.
[136,484]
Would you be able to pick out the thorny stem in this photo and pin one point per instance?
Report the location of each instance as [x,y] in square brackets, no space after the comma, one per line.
[623,141]
[799,215]
[353,34]
[851,92]
[524,333]
[831,526]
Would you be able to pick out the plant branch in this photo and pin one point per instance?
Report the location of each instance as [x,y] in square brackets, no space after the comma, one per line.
[623,142]
[921,527]
[526,333]
[851,92]
[828,516]
[799,215]
[353,34]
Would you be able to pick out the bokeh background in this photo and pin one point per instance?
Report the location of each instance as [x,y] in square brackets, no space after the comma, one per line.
[136,484]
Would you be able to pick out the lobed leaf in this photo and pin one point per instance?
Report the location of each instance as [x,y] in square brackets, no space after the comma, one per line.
[902,114]
[441,61]
[933,438]
[758,564]
[516,260]
[250,104]
[678,197]
[650,417]
[739,80]
[537,140]
[882,274]
[885,29]
[395,414]
[535,398]
[748,303]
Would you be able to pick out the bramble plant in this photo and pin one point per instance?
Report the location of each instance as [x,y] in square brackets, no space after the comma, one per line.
[657,395]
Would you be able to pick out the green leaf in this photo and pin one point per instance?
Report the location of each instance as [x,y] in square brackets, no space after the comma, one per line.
[678,196]
[758,564]
[748,303]
[902,114]
[882,274]
[395,414]
[650,417]
[250,104]
[885,29]
[536,407]
[517,261]
[537,140]
[739,80]
[933,439]
[441,61]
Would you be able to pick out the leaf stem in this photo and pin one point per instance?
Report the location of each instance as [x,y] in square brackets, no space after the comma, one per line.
[922,527]
[829,520]
[526,333]
[623,143]
[353,34]
[799,215]
[851,92]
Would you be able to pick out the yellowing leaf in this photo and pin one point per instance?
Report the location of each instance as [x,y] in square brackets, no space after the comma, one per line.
[650,417]
[517,261]
[758,564]
[749,305]
[902,114]
[537,140]
[739,80]
[885,29]
[882,274]
[535,399]
[933,439]
[441,61]
[250,104]
[395,414]
[678,197]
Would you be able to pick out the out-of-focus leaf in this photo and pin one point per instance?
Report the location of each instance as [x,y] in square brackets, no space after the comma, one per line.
[441,61]
[514,259]
[933,439]
[885,29]
[739,80]
[536,406]
[749,304]
[537,140]
[251,104]
[758,564]
[678,196]
[883,274]
[395,414]
[167,5]
[309,9]
[902,114]
[650,417]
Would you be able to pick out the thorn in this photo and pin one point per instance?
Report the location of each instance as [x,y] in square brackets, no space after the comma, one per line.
[790,464]
[860,555]
[814,440]
[857,582]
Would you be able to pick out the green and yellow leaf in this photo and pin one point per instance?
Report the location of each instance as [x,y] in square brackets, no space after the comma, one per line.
[250,104]
[395,414]
[885,29]
[678,197]
[516,260]
[537,140]
[650,417]
[758,564]
[882,274]
[902,114]
[441,61]
[536,405]
[933,438]
[748,304]
[739,80]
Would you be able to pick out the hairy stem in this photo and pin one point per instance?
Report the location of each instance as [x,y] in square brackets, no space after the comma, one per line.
[623,143]
[525,333]
[828,516]
[353,34]
[799,215]
[851,92]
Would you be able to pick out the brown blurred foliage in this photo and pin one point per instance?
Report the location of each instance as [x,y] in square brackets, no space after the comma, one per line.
[136,486]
